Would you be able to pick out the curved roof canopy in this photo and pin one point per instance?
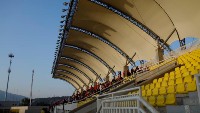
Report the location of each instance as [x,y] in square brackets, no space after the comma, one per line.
[114,30]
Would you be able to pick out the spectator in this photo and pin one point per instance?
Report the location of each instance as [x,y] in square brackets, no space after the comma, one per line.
[132,71]
[91,89]
[113,80]
[120,73]
[128,73]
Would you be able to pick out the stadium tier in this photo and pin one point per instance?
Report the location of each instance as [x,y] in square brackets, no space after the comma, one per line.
[118,55]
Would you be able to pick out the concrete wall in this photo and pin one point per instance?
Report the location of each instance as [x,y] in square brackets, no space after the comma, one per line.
[28,109]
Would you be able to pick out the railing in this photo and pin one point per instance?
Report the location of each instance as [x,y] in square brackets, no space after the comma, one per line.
[175,53]
[198,85]
[124,102]
[184,49]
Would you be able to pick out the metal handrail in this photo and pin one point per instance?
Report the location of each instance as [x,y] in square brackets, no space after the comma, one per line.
[176,53]
[136,98]
[126,90]
[111,98]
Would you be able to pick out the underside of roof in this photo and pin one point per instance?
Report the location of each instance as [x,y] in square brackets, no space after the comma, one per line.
[102,34]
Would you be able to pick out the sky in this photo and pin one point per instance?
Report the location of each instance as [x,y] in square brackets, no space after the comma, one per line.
[29,29]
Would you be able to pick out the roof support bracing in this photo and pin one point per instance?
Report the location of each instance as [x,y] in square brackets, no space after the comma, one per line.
[93,55]
[74,68]
[70,73]
[170,36]
[64,76]
[134,21]
[105,41]
[83,64]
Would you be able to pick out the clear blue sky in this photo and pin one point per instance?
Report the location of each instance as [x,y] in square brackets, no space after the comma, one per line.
[29,29]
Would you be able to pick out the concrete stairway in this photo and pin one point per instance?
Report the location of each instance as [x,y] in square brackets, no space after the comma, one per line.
[186,103]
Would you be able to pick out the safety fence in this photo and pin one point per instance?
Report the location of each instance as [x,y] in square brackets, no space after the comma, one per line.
[124,101]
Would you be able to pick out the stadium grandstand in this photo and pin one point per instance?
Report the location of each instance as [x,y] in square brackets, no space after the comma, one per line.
[118,56]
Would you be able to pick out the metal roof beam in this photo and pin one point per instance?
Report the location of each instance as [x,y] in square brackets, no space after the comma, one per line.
[93,55]
[74,68]
[68,82]
[70,73]
[66,77]
[81,63]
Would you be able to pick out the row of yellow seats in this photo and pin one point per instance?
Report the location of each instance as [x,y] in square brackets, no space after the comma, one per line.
[161,100]
[127,79]
[177,74]
[176,88]
[189,57]
[187,61]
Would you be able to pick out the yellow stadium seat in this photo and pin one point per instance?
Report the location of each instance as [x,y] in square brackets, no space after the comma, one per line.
[165,78]
[160,100]
[166,75]
[155,81]
[171,89]
[162,91]
[180,88]
[171,77]
[155,91]
[152,100]
[177,72]
[146,87]
[171,73]
[182,67]
[164,84]
[152,86]
[160,79]
[191,68]
[191,86]
[197,67]
[178,75]
[186,74]
[171,83]
[158,85]
[194,72]
[188,79]
[143,92]
[188,65]
[142,87]
[179,81]
[184,70]
[149,92]
[170,99]
[195,63]
[177,69]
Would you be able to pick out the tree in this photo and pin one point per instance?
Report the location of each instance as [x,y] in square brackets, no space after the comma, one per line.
[25,102]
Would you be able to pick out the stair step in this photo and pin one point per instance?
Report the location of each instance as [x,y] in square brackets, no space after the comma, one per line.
[183,109]
[190,101]
[193,95]
[175,109]
[195,109]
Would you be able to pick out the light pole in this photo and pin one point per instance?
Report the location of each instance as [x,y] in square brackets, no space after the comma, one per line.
[9,71]
[31,88]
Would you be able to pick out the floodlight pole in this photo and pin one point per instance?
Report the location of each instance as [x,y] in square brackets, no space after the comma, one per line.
[31,88]
[9,71]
